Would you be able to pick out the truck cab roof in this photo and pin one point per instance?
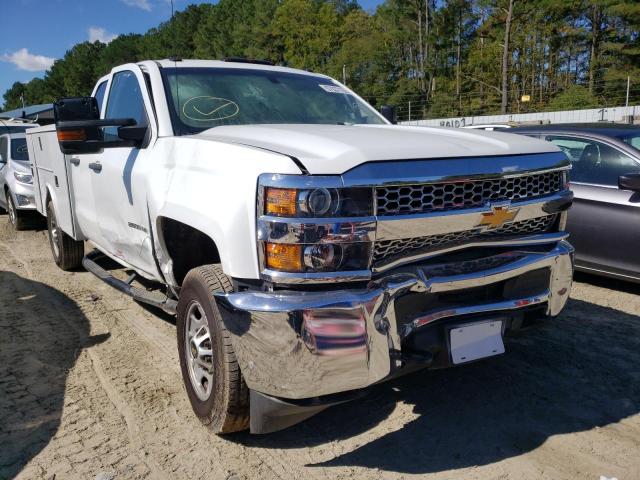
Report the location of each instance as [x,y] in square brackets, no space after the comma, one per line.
[230,63]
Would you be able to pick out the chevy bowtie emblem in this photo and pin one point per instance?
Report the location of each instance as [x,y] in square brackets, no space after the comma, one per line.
[498,216]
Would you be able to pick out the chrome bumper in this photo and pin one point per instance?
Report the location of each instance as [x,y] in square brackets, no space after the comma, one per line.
[297,345]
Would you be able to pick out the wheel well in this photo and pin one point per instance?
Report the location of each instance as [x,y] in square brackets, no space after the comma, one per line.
[188,247]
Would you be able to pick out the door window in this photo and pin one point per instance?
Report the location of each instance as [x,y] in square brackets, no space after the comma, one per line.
[100,94]
[125,101]
[595,162]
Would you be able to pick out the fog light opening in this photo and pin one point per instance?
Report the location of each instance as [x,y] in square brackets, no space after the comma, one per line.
[23,200]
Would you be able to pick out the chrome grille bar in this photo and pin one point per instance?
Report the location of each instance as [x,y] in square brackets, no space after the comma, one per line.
[388,250]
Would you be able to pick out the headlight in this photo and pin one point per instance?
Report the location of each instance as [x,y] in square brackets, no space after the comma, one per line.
[318,202]
[320,257]
[23,177]
[313,226]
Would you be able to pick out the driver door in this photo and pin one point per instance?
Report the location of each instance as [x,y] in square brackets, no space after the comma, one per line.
[119,178]
[604,221]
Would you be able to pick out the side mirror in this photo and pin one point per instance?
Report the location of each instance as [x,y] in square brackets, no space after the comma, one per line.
[76,109]
[389,112]
[133,133]
[79,127]
[630,181]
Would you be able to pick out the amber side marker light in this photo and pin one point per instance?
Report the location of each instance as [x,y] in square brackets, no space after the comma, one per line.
[283,257]
[280,201]
[72,135]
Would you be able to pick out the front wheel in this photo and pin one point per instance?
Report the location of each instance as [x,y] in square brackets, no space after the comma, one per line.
[217,392]
[67,252]
[15,217]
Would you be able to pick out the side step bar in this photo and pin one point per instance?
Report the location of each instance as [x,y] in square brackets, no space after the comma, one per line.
[156,299]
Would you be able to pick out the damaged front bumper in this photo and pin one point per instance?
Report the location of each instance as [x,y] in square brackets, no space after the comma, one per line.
[297,345]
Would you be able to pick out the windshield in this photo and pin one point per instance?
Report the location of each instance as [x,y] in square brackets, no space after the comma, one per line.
[19,149]
[632,139]
[202,98]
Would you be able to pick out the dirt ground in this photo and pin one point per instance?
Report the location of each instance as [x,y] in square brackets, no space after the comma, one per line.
[90,388]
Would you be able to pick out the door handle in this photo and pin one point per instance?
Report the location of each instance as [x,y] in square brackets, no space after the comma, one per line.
[95,166]
[74,161]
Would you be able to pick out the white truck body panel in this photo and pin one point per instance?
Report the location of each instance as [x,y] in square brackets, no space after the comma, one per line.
[190,177]
[51,176]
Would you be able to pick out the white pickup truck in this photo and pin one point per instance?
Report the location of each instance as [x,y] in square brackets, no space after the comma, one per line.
[309,248]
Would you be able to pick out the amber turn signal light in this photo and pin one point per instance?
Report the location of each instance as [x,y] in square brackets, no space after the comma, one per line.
[283,257]
[72,135]
[280,201]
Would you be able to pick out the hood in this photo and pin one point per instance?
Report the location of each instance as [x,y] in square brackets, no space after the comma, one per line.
[21,166]
[335,149]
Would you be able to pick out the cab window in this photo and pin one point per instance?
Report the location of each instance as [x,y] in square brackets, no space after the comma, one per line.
[595,162]
[125,101]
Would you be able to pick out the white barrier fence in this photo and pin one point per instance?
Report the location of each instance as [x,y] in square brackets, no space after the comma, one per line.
[609,114]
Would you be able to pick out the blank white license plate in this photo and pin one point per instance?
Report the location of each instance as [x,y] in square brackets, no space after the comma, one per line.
[476,340]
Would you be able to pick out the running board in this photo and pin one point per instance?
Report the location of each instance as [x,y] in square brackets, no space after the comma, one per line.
[156,299]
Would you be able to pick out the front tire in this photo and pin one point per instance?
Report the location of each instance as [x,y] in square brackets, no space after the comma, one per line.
[16,219]
[217,391]
[67,252]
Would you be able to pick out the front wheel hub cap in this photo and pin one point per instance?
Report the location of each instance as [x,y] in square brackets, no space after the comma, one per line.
[198,343]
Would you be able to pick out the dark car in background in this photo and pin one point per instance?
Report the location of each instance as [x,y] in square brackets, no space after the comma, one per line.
[604,221]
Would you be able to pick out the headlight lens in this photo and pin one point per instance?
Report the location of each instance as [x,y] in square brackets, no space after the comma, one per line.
[318,202]
[23,177]
[320,257]
[323,256]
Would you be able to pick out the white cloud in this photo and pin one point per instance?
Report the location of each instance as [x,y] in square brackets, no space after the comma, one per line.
[100,34]
[143,4]
[28,61]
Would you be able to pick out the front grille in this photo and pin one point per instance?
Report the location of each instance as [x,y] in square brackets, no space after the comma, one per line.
[390,249]
[429,197]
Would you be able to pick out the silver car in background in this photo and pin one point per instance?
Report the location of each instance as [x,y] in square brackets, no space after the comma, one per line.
[604,221]
[16,181]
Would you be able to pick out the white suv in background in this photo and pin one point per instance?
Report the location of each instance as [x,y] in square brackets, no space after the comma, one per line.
[16,180]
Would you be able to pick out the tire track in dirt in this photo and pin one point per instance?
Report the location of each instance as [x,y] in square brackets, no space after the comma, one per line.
[108,388]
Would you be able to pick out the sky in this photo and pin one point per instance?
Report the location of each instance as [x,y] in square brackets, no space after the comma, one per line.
[36,32]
